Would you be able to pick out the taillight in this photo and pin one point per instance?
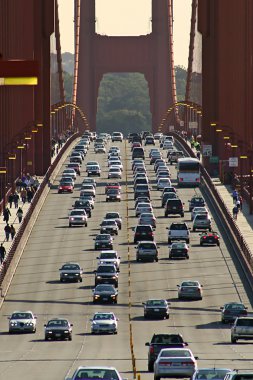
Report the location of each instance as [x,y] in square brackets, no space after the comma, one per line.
[216,237]
[204,237]
[151,350]
[181,179]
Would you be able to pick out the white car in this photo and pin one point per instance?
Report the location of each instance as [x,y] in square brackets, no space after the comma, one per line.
[198,210]
[88,187]
[143,208]
[104,323]
[99,148]
[114,149]
[168,145]
[117,136]
[69,173]
[175,362]
[109,257]
[22,321]
[78,217]
[114,172]
[162,183]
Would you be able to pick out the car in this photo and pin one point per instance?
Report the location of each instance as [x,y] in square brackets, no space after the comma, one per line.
[209,238]
[91,373]
[71,272]
[115,161]
[198,210]
[138,152]
[166,196]
[135,144]
[110,257]
[158,135]
[179,250]
[106,274]
[190,289]
[65,187]
[137,161]
[70,172]
[168,145]
[157,308]
[90,181]
[58,328]
[160,341]
[67,178]
[114,172]
[178,231]
[163,183]
[210,373]
[162,173]
[141,191]
[22,321]
[239,375]
[141,200]
[112,185]
[104,322]
[231,310]
[154,157]
[173,156]
[169,189]
[143,208]
[113,195]
[83,205]
[99,148]
[152,151]
[149,140]
[196,201]
[114,149]
[116,216]
[182,363]
[146,251]
[88,198]
[75,166]
[117,136]
[147,218]
[89,187]
[105,293]
[78,217]
[93,170]
[109,226]
[76,157]
[242,329]
[202,222]
[143,232]
[114,153]
[103,241]
[88,192]
[173,207]
[140,181]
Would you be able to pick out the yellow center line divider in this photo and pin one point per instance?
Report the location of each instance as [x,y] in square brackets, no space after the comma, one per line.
[129,273]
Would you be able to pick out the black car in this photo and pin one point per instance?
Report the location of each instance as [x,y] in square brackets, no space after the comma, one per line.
[141,191]
[105,293]
[174,207]
[58,328]
[84,205]
[196,201]
[143,232]
[106,274]
[71,272]
[149,140]
[156,308]
[231,310]
[104,241]
[209,238]
[113,195]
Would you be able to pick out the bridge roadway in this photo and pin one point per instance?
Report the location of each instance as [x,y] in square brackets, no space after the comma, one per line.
[36,287]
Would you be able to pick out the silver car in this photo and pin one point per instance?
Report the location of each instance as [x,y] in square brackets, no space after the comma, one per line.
[90,373]
[22,321]
[198,210]
[190,289]
[202,222]
[114,172]
[147,250]
[109,226]
[143,208]
[210,373]
[109,257]
[175,362]
[104,323]
[148,218]
[69,173]
[78,217]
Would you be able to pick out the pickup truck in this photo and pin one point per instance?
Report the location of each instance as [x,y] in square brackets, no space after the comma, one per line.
[160,341]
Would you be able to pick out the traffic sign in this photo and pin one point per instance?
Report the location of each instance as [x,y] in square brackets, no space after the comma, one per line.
[233,162]
[207,150]
[193,125]
[171,128]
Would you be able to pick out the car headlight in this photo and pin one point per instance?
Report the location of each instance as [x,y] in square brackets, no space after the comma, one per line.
[29,323]
[66,331]
[97,296]
[72,218]
[113,295]
[13,323]
[98,277]
[114,277]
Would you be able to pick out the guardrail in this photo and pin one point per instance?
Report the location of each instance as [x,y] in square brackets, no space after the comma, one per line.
[247,257]
[9,257]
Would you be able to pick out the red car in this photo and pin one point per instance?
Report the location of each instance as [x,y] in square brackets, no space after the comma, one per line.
[114,185]
[65,187]
[135,145]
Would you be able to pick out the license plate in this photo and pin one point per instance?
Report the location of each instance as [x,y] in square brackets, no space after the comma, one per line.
[209,240]
[103,245]
[176,364]
[174,208]
[105,298]
[58,335]
[157,310]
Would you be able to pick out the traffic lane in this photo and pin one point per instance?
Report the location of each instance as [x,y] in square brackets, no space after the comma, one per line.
[72,301]
[205,264]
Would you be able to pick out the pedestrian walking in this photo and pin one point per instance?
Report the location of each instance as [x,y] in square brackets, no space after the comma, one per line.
[238,205]
[2,253]
[241,201]
[23,195]
[29,194]
[15,199]
[6,215]
[20,214]
[7,230]
[235,196]
[13,232]
[10,200]
[235,212]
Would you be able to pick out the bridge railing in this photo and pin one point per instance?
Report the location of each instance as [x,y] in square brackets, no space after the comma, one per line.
[226,215]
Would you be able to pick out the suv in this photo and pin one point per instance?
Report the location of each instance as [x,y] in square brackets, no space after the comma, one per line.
[143,232]
[173,207]
[106,274]
[141,190]
[202,222]
[147,250]
[178,231]
[242,329]
[117,136]
[138,152]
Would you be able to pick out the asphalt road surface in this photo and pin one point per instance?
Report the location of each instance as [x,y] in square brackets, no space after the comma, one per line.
[36,287]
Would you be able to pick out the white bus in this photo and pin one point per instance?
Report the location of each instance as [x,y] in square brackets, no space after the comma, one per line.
[188,172]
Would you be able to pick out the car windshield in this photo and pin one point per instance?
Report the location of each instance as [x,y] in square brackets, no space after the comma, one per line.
[236,306]
[114,170]
[97,374]
[70,267]
[76,213]
[21,316]
[156,303]
[105,288]
[109,255]
[175,354]
[57,322]
[113,191]
[211,374]
[197,200]
[104,316]
[178,226]
[190,283]
[146,245]
[106,269]
[244,322]
[201,216]
[103,237]
[167,339]
[112,215]
[178,246]
[108,223]
[66,183]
